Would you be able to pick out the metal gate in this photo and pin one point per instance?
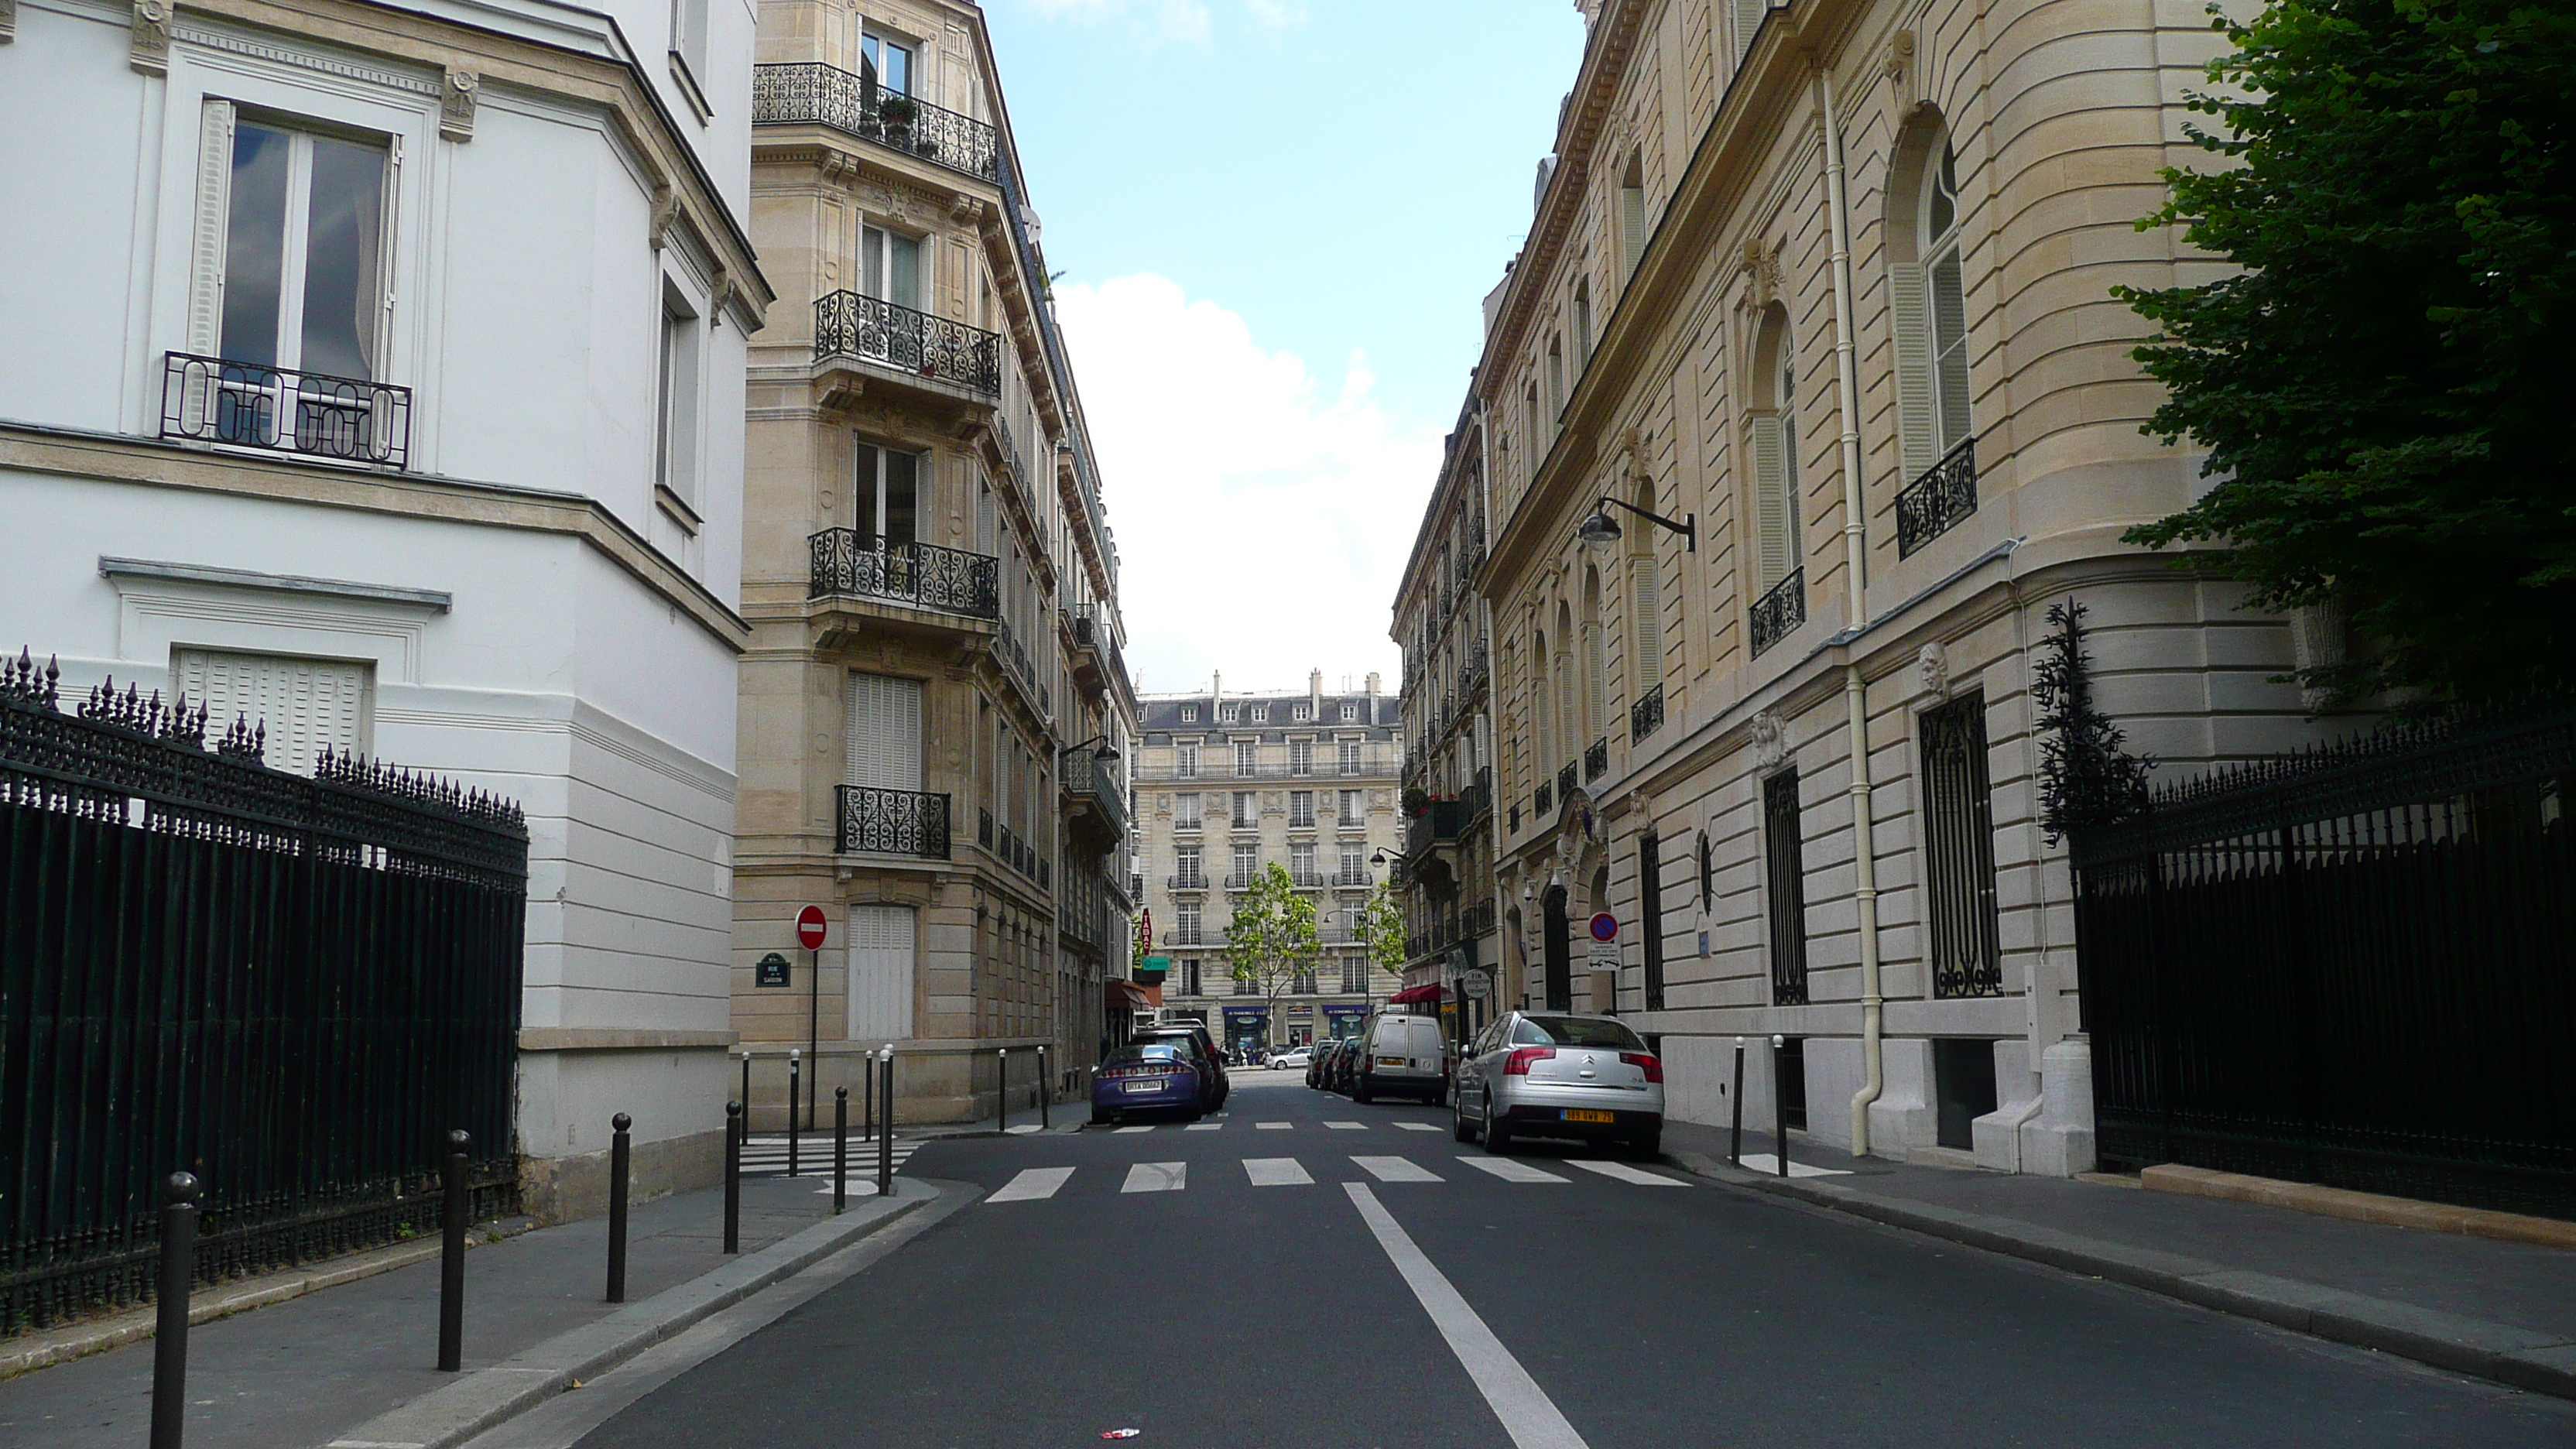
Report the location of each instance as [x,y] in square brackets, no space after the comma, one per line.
[2350,966]
[1959,852]
[291,987]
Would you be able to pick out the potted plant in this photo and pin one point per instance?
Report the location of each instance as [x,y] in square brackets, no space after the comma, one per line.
[897,111]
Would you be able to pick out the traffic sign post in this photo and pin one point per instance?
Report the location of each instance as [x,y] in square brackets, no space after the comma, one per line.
[1605,926]
[809,934]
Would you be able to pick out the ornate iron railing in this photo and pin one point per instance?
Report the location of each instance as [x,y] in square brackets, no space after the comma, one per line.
[1190,880]
[1472,670]
[892,335]
[1015,662]
[1647,715]
[1353,878]
[844,561]
[1565,782]
[892,822]
[1946,493]
[1306,880]
[1596,759]
[1240,881]
[1094,782]
[310,414]
[1780,611]
[806,92]
[1962,916]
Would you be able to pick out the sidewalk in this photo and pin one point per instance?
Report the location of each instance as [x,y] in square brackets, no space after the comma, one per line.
[2500,1310]
[302,1373]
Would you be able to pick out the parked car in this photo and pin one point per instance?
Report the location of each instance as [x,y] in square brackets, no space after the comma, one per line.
[1400,1055]
[1321,1062]
[1345,1063]
[1204,1054]
[1550,1074]
[1148,1077]
[1293,1057]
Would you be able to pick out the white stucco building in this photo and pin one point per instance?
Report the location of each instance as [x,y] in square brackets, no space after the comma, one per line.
[378,373]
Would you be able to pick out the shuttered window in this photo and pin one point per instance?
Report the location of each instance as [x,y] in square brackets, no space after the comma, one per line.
[881,973]
[1775,479]
[308,706]
[1928,308]
[884,733]
[1647,620]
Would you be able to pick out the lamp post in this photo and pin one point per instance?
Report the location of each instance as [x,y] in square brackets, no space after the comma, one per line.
[1601,530]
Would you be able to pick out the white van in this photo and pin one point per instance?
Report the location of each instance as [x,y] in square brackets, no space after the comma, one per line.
[1405,1057]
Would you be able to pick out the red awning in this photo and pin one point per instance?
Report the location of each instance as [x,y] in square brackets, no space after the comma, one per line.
[1126,996]
[1412,995]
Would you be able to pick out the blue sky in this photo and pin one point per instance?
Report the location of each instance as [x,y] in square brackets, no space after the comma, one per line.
[1276,219]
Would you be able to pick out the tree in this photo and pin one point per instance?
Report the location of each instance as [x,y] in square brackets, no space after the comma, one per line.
[2382,385]
[1272,939]
[1381,927]
[2086,776]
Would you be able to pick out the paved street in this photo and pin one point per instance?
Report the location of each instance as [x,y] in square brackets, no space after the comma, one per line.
[1275,1278]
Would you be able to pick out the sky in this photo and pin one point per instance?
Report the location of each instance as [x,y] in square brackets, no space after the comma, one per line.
[1275,222]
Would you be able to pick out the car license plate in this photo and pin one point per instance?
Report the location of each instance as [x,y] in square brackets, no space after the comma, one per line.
[1390,1061]
[1144,1086]
[1577,1114]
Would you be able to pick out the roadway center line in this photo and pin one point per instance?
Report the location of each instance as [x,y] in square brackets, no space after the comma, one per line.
[1527,1413]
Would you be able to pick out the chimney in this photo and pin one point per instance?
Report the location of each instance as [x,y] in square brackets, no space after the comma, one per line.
[1372,694]
[1315,693]
[1216,686]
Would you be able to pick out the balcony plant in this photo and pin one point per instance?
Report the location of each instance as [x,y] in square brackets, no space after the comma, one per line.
[898,112]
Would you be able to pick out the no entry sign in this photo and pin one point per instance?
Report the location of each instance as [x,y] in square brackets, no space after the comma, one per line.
[809,928]
[1605,926]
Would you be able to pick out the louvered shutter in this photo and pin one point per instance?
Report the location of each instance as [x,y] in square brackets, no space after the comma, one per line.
[984,520]
[213,222]
[1748,19]
[1647,600]
[307,705]
[1596,663]
[1772,546]
[1917,433]
[880,973]
[1950,349]
[884,743]
[1632,222]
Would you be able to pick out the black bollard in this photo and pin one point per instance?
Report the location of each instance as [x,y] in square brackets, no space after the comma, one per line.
[795,1076]
[1046,1094]
[746,1074]
[1735,1133]
[1001,1089]
[451,1262]
[170,1335]
[840,1147]
[885,1142]
[1779,1110]
[620,1158]
[734,1129]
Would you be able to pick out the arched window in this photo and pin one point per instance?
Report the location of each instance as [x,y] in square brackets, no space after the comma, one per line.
[1645,603]
[1530,426]
[1569,699]
[1542,717]
[1776,548]
[1596,663]
[1555,378]
[1632,211]
[1582,327]
[1927,301]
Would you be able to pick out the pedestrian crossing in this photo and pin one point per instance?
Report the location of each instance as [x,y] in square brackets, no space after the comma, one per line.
[1037,1184]
[767,1157]
[1136,1128]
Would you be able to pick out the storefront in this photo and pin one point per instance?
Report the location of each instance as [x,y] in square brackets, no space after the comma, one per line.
[1246,1028]
[1342,1021]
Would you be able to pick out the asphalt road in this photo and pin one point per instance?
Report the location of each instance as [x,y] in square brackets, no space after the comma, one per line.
[1159,1286]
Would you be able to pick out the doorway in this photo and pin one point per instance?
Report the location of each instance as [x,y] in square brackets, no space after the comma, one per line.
[1963,1089]
[1559,950]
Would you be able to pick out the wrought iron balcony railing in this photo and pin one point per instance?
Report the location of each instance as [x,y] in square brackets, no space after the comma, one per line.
[1093,782]
[811,93]
[1542,801]
[892,822]
[1185,881]
[1306,880]
[1647,715]
[1014,659]
[894,336]
[1565,783]
[1946,493]
[844,561]
[1596,759]
[1353,878]
[246,405]
[1780,611]
[1241,880]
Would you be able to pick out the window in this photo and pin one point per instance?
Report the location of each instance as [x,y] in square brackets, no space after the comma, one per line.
[890,267]
[1185,869]
[1246,986]
[1632,211]
[1596,661]
[886,489]
[1261,714]
[1229,713]
[1784,888]
[886,62]
[1530,426]
[1190,976]
[1959,852]
[1650,902]
[1354,871]
[1302,713]
[1244,818]
[689,43]
[1189,714]
[309,706]
[1350,712]
[1776,548]
[881,972]
[675,406]
[1245,756]
[300,275]
[1301,864]
[1185,924]
[1185,812]
[1354,975]
[1301,757]
[1301,812]
[1582,327]
[884,742]
[1186,761]
[1555,378]
[1929,309]
[1350,755]
[1350,807]
[1247,864]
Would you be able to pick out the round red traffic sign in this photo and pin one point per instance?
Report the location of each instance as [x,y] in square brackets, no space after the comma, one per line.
[1605,926]
[809,928]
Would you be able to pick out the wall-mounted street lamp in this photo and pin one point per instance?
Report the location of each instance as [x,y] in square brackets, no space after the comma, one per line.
[1107,754]
[1601,530]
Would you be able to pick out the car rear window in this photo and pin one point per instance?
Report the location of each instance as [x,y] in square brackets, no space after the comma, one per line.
[1576,1031]
[1128,1056]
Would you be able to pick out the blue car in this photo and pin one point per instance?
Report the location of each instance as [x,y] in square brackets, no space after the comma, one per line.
[1146,1077]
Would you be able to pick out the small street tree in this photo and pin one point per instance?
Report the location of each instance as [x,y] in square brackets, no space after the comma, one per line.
[1381,927]
[1272,940]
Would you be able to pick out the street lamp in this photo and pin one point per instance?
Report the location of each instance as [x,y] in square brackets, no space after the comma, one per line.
[1107,754]
[1601,530]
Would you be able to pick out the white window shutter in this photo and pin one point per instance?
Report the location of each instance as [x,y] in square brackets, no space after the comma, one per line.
[884,741]
[1950,348]
[1917,446]
[881,955]
[213,222]
[1771,538]
[308,706]
[1748,19]
[1647,595]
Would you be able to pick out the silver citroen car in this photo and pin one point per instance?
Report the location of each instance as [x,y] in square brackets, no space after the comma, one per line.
[1553,1074]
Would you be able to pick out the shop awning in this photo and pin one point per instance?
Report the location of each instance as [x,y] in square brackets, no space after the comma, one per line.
[1428,991]
[1126,996]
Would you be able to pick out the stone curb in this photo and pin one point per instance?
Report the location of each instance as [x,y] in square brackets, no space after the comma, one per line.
[478,1400]
[2523,1358]
[2361,1207]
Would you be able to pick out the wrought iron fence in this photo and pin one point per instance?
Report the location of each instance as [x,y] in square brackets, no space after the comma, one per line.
[2347,966]
[892,822]
[1931,504]
[1185,881]
[1596,759]
[889,334]
[846,561]
[1780,611]
[1961,916]
[249,405]
[811,93]
[1784,888]
[1565,782]
[1647,715]
[292,987]
[1543,801]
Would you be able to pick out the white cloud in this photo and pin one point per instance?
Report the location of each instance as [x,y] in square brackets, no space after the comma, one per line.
[1184,20]
[1263,516]
[1277,14]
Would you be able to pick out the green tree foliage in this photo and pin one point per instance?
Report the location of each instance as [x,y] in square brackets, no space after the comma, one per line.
[2384,387]
[2086,774]
[1382,927]
[1272,940]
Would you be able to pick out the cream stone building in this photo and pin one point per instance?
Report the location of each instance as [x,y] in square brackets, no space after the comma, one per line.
[936,720]
[1230,784]
[1824,287]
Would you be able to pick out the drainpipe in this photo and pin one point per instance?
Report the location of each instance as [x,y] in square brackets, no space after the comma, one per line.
[1493,692]
[1873,1006]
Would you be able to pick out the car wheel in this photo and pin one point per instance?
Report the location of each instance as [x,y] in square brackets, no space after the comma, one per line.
[1649,1148]
[1458,1128]
[1102,1119]
[1360,1091]
[1498,1138]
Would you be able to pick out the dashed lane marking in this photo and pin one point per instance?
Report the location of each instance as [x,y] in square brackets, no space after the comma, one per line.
[1419,1126]
[1148,1127]
[1274,1126]
[1396,1169]
[1203,1127]
[1348,1126]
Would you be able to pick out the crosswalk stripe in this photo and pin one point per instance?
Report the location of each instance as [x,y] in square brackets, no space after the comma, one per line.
[1157,1177]
[1511,1171]
[1274,1126]
[1625,1173]
[1419,1126]
[1348,1126]
[1147,1127]
[1396,1169]
[1034,1184]
[1276,1172]
[1203,1127]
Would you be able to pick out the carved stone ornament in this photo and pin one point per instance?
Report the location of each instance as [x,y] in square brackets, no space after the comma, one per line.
[456,105]
[1932,670]
[1899,65]
[965,209]
[1770,739]
[1762,272]
[666,209]
[151,51]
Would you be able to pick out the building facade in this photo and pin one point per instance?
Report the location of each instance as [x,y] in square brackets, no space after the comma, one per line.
[936,718]
[1804,403]
[377,376]
[1228,785]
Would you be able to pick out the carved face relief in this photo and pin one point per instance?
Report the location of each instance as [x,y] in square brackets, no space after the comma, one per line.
[1932,670]
[1770,739]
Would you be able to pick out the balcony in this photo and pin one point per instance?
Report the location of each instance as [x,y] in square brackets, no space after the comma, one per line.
[1096,658]
[1350,879]
[807,93]
[1476,799]
[1931,504]
[1097,797]
[1542,802]
[1779,612]
[1596,759]
[1013,656]
[1020,855]
[1472,671]
[1306,880]
[1565,783]
[278,410]
[1186,881]
[1439,824]
[847,563]
[1647,715]
[1239,880]
[951,356]
[891,822]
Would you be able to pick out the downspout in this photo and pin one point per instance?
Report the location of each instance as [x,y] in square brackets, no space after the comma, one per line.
[1493,691]
[1873,1006]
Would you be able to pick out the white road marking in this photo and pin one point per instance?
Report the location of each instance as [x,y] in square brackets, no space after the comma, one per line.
[1526,1412]
[1157,1177]
[1396,1169]
[1511,1169]
[1348,1126]
[1148,1127]
[1768,1165]
[1275,1172]
[1419,1126]
[1035,1184]
[1625,1173]
[1203,1127]
[857,1188]
[1274,1126]
[1024,1131]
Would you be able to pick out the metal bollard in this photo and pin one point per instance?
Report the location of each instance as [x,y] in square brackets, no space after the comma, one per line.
[451,1265]
[746,1074]
[170,1335]
[735,1127]
[1735,1133]
[1779,1109]
[620,1159]
[795,1076]
[868,1095]
[840,1147]
[1046,1094]
[1001,1089]
[885,1142]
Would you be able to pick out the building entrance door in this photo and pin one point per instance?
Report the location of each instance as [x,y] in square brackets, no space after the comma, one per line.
[1560,951]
